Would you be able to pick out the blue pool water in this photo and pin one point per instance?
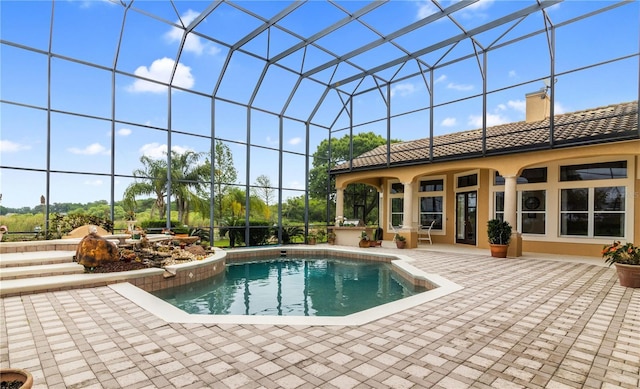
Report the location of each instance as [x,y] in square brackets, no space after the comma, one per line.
[292,287]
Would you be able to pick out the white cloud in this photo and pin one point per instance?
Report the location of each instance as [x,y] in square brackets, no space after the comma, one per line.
[512,74]
[295,141]
[440,79]
[558,108]
[96,182]
[480,5]
[161,70]
[475,10]
[92,149]
[7,146]
[459,87]
[492,120]
[272,142]
[193,44]
[404,89]
[124,132]
[157,151]
[449,122]
[518,105]
[425,8]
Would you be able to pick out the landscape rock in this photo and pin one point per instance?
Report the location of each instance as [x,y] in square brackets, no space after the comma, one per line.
[94,249]
[196,250]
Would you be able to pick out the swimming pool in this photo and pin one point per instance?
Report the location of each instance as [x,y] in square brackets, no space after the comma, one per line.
[402,265]
[298,286]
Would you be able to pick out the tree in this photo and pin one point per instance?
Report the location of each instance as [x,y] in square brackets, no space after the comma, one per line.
[293,210]
[224,175]
[263,190]
[187,178]
[356,194]
[151,179]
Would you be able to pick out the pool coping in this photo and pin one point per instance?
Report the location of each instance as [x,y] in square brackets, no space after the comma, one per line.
[440,287]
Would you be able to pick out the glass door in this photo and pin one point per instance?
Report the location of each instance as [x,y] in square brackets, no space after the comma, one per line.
[466,207]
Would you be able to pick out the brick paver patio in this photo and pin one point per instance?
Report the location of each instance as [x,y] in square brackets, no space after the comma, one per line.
[518,323]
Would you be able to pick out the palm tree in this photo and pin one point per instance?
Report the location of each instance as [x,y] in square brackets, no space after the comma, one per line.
[188,178]
[150,180]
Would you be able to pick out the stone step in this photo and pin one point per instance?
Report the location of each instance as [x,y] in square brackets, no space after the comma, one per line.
[35,258]
[31,271]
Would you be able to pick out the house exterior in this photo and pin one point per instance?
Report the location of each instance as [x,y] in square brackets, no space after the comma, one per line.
[567,191]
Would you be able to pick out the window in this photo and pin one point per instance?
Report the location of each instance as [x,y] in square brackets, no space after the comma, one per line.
[431,186]
[431,203]
[397,211]
[533,215]
[466,181]
[528,176]
[431,208]
[594,171]
[396,197]
[593,211]
[499,205]
[531,210]
[397,188]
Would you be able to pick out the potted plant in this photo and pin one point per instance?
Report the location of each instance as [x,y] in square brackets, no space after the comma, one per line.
[377,238]
[312,238]
[499,234]
[626,258]
[331,237]
[401,241]
[322,235]
[364,239]
[16,378]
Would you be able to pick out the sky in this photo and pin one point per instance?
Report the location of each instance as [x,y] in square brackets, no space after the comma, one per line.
[88,32]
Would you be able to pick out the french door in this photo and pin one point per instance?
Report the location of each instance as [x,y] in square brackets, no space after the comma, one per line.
[466,211]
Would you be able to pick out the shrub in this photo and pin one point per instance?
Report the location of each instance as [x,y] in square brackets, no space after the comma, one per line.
[498,231]
[157,224]
[621,253]
[259,232]
[64,224]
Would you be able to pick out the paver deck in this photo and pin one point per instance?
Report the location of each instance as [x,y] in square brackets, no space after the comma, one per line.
[531,322]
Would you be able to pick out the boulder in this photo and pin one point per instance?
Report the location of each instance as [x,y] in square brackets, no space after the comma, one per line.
[196,250]
[94,249]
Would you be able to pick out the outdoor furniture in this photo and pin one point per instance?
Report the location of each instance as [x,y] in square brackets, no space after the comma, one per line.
[424,234]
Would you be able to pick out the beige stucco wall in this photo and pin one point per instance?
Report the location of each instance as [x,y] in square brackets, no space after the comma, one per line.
[508,165]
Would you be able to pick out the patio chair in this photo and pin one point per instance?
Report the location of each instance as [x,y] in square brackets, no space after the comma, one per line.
[425,234]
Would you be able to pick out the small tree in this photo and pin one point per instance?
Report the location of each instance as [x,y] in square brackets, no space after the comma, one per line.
[498,231]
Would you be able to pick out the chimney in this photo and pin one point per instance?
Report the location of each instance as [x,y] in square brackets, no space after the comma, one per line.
[538,106]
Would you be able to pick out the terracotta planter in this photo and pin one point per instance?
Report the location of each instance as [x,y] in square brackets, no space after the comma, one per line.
[499,250]
[628,275]
[401,244]
[364,243]
[9,375]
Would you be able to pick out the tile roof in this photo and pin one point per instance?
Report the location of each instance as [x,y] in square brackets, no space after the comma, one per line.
[612,122]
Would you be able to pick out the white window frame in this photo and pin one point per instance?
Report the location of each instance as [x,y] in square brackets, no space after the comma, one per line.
[391,197]
[441,194]
[590,185]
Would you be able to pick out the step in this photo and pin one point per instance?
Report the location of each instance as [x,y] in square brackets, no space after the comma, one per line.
[35,258]
[21,272]
[70,281]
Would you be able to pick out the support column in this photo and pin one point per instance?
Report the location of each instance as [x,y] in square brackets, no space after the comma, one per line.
[407,221]
[381,207]
[511,215]
[339,205]
[407,210]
